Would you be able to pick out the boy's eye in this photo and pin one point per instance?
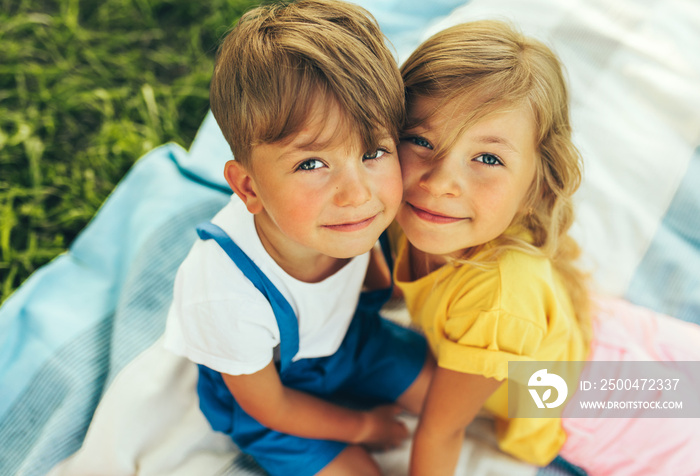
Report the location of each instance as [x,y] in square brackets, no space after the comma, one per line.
[310,164]
[374,155]
[489,159]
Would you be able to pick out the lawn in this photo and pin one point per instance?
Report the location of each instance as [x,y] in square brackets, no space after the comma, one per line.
[86,88]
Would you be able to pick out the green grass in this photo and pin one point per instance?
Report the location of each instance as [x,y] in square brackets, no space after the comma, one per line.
[86,88]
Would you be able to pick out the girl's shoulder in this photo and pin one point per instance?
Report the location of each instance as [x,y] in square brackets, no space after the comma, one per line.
[511,268]
[519,270]
[519,262]
[530,286]
[517,284]
[484,284]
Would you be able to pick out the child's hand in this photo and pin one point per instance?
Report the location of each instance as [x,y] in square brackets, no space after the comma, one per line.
[381,429]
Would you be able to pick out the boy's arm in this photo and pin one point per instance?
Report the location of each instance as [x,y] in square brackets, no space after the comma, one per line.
[286,410]
[453,400]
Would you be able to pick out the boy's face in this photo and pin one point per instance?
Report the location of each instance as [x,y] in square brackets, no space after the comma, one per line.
[319,192]
[470,195]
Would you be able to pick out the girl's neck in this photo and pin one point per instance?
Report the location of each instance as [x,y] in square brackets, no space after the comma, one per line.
[422,263]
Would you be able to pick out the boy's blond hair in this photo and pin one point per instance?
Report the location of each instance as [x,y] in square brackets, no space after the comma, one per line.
[280,59]
[488,66]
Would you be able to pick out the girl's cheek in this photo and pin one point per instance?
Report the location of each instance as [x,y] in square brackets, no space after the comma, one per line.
[408,180]
[418,174]
[408,166]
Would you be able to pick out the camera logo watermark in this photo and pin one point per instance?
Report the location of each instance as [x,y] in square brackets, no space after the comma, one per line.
[543,379]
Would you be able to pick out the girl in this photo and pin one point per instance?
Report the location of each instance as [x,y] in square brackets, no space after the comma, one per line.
[486,265]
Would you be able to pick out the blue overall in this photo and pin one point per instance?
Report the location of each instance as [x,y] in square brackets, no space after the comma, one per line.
[376,362]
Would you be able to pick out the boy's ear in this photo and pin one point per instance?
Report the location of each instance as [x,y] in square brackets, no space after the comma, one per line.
[242,183]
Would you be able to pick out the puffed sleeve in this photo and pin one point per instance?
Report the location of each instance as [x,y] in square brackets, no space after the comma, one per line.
[495,316]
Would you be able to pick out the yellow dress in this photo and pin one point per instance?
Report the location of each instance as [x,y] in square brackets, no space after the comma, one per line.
[477,320]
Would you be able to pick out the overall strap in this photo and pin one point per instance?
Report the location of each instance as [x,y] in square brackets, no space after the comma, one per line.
[284,314]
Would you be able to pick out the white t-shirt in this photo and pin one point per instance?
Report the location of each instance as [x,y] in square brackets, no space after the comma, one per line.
[220,320]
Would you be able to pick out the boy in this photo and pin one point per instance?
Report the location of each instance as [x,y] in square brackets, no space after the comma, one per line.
[310,101]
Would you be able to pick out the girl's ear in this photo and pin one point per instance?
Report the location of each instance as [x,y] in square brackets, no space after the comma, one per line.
[243,184]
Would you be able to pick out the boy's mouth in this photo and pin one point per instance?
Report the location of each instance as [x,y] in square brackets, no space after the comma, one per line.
[433,217]
[352,225]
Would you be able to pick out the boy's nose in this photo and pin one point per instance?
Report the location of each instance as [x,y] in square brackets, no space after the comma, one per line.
[352,189]
[440,179]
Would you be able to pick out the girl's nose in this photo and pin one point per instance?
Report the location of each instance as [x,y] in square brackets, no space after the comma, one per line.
[441,179]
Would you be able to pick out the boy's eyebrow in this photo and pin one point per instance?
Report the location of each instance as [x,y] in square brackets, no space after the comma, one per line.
[315,145]
[297,146]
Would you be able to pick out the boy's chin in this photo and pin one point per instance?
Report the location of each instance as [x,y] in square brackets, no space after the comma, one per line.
[345,249]
[347,252]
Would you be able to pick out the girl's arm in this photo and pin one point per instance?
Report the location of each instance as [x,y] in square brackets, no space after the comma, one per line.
[283,409]
[453,401]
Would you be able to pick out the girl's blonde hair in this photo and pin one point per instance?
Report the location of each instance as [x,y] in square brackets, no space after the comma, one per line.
[488,66]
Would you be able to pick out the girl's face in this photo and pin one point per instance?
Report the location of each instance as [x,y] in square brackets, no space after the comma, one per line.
[470,195]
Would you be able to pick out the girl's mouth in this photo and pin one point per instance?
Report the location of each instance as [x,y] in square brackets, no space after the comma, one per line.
[433,217]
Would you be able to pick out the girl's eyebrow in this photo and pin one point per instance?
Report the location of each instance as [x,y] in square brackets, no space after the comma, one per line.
[496,140]
[419,129]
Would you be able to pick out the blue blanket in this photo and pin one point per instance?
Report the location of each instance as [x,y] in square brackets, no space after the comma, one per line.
[74,325]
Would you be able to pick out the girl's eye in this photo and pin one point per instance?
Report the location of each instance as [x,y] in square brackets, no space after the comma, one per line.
[420,142]
[310,164]
[489,159]
[374,155]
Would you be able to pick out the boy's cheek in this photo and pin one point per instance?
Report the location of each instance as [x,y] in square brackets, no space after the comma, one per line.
[394,197]
[392,188]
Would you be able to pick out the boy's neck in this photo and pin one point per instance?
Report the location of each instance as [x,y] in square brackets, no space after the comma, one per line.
[305,265]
